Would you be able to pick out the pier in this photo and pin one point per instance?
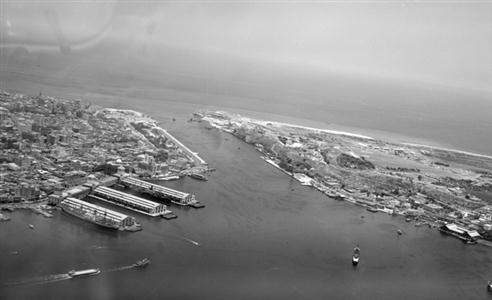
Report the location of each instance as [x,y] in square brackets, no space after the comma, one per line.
[128,201]
[98,214]
[197,159]
[160,192]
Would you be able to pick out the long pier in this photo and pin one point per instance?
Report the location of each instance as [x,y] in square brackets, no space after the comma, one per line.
[197,159]
[161,192]
[130,202]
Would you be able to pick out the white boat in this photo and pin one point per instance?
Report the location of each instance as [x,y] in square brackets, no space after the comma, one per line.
[142,263]
[356,256]
[88,272]
[489,285]
[31,226]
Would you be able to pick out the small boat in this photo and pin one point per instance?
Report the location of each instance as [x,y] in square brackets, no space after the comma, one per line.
[356,255]
[399,232]
[81,273]
[31,226]
[142,263]
[169,216]
[489,285]
[372,209]
[198,176]
[197,205]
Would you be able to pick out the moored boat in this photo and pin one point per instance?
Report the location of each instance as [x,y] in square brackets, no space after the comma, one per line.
[198,176]
[169,216]
[92,218]
[81,273]
[193,203]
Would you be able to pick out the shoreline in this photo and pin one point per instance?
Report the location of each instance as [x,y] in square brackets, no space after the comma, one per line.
[368,133]
[448,150]
[335,132]
[390,139]
[182,109]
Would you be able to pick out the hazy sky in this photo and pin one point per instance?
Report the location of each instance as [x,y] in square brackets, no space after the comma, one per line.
[440,42]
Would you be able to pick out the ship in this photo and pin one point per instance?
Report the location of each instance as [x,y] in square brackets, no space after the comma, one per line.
[93,218]
[489,285]
[198,176]
[142,263]
[81,273]
[356,255]
[193,203]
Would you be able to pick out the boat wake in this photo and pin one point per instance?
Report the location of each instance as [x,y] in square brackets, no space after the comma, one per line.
[191,241]
[178,237]
[96,247]
[123,268]
[60,277]
[41,280]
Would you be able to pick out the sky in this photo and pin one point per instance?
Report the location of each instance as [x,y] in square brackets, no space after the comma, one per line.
[436,42]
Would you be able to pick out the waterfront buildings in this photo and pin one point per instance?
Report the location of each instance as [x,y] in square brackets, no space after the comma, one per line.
[96,214]
[129,201]
[158,191]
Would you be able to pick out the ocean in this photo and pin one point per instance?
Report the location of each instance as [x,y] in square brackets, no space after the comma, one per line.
[183,82]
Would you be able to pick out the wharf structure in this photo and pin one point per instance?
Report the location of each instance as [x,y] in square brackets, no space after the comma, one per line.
[98,215]
[467,236]
[128,201]
[197,159]
[161,192]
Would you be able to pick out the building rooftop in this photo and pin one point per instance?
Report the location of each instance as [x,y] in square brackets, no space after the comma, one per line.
[99,209]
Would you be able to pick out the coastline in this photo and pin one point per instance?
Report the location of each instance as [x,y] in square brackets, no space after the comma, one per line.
[32,84]
[364,133]
[350,134]
[448,150]
[390,137]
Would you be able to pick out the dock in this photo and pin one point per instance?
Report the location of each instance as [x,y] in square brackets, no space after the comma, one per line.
[161,192]
[197,159]
[131,202]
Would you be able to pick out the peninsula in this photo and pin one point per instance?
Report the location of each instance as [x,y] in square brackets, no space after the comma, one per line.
[55,150]
[443,188]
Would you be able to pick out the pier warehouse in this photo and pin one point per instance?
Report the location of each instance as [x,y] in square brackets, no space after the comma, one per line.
[469,236]
[129,201]
[73,204]
[158,191]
